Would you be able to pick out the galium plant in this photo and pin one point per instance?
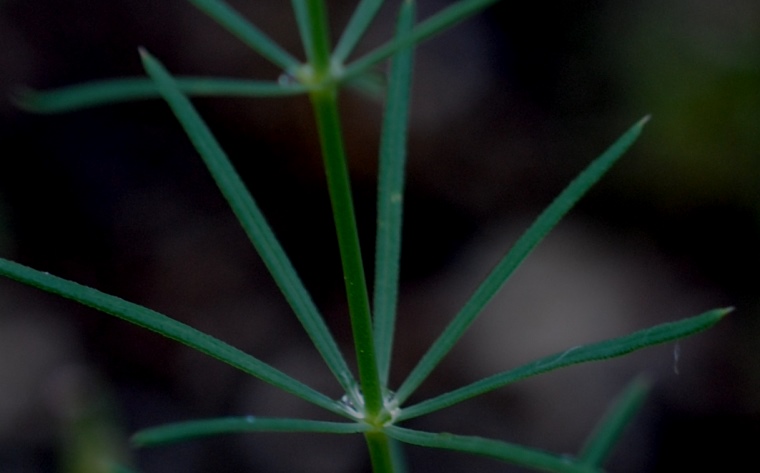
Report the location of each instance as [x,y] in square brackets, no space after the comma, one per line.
[369,406]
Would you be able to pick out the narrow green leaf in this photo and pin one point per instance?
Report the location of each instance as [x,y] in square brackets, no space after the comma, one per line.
[182,431]
[167,327]
[607,433]
[252,221]
[524,245]
[372,85]
[391,195]
[581,354]
[301,13]
[233,22]
[437,23]
[496,449]
[400,464]
[360,20]
[93,94]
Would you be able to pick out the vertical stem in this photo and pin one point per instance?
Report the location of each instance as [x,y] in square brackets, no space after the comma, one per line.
[380,452]
[326,111]
[324,99]
[318,44]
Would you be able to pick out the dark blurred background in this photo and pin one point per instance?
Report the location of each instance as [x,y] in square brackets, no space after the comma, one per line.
[508,107]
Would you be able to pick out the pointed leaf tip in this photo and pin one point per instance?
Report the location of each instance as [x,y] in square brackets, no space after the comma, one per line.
[725,311]
[23,97]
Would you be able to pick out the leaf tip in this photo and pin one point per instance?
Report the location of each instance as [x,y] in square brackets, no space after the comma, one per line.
[716,315]
[138,440]
[725,311]
[24,98]
[147,58]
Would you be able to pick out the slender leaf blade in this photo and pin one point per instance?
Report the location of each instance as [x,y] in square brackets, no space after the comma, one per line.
[252,221]
[606,349]
[496,449]
[182,431]
[434,25]
[93,94]
[244,30]
[360,20]
[390,197]
[521,249]
[606,435]
[167,327]
[400,464]
[300,11]
[372,85]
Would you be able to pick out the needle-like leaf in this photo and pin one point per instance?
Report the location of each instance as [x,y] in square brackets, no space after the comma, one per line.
[363,15]
[606,435]
[93,94]
[252,220]
[524,245]
[300,11]
[498,450]
[437,23]
[390,197]
[233,22]
[181,431]
[167,327]
[582,354]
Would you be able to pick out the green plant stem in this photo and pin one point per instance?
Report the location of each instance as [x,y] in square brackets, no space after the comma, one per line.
[326,112]
[324,99]
[380,451]
[318,44]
